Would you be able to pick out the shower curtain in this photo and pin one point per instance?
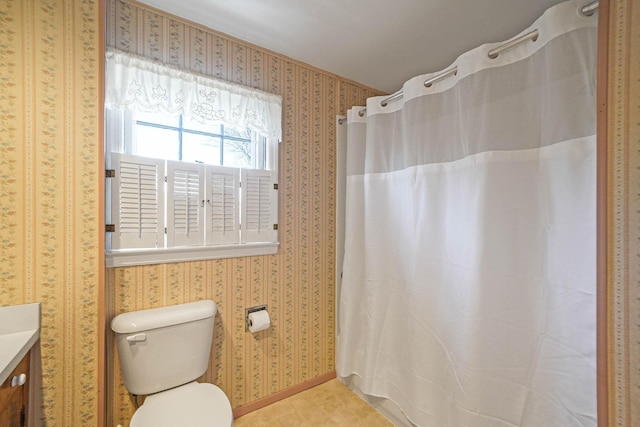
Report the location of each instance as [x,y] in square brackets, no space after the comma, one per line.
[468,291]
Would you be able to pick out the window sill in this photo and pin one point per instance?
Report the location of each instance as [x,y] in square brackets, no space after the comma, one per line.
[131,257]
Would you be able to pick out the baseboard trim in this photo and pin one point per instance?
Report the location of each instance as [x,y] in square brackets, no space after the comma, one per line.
[268,400]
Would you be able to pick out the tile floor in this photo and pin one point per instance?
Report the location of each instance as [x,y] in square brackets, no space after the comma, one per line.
[329,404]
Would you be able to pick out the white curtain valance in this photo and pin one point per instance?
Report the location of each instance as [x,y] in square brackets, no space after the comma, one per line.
[136,83]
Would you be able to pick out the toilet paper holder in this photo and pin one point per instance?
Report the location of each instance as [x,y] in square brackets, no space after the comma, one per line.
[251,310]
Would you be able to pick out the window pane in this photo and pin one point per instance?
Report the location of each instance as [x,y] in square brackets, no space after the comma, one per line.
[200,148]
[244,133]
[157,143]
[202,127]
[158,118]
[237,153]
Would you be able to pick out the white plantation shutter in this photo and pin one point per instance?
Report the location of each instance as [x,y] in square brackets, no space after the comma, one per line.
[185,195]
[259,206]
[222,205]
[137,202]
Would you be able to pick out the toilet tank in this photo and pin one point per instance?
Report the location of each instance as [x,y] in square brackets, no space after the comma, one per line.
[165,347]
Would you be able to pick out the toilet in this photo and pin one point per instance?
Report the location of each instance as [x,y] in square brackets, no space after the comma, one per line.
[162,353]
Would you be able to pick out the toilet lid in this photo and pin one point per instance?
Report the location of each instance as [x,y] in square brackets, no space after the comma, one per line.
[190,405]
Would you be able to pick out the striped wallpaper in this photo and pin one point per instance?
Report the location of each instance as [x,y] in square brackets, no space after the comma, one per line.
[622,158]
[298,282]
[50,193]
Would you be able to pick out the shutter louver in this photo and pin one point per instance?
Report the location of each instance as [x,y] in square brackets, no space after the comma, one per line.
[259,206]
[137,202]
[223,214]
[185,193]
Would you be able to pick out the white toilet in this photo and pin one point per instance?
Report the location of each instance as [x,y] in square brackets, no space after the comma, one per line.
[162,353]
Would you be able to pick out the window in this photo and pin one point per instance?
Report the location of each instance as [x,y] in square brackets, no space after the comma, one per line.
[176,138]
[192,165]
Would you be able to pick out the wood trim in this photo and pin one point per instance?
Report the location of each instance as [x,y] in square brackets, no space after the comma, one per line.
[601,276]
[276,397]
[102,321]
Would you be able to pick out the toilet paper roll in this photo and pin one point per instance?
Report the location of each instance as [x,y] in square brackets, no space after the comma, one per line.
[259,321]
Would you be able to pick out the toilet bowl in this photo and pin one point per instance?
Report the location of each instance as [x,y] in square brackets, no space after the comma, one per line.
[190,405]
[162,352]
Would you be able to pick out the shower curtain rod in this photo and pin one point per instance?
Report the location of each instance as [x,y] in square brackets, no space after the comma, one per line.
[587,10]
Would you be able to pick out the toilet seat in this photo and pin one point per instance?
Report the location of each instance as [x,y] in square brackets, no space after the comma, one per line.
[190,405]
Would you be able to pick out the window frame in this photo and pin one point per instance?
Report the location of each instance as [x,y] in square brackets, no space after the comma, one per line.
[132,257]
[134,84]
[123,127]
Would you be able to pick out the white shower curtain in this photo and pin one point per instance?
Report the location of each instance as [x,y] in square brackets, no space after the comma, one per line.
[468,292]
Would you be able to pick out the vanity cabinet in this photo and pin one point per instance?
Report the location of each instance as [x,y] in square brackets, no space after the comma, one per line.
[14,396]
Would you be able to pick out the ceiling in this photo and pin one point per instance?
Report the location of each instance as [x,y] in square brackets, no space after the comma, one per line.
[378,43]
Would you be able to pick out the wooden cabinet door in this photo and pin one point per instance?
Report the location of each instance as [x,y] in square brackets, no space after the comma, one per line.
[13,400]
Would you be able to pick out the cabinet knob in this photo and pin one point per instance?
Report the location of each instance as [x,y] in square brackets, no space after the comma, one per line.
[18,380]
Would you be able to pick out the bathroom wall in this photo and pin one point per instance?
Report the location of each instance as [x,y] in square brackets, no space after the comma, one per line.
[51,205]
[50,194]
[298,283]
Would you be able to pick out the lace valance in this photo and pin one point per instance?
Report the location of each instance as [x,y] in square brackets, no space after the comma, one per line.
[136,83]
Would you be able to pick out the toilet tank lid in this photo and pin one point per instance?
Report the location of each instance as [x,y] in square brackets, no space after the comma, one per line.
[144,320]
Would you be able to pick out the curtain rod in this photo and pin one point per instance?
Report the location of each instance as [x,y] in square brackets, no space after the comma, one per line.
[532,35]
[587,10]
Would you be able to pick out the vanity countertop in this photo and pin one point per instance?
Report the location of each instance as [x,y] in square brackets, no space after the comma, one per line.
[19,331]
